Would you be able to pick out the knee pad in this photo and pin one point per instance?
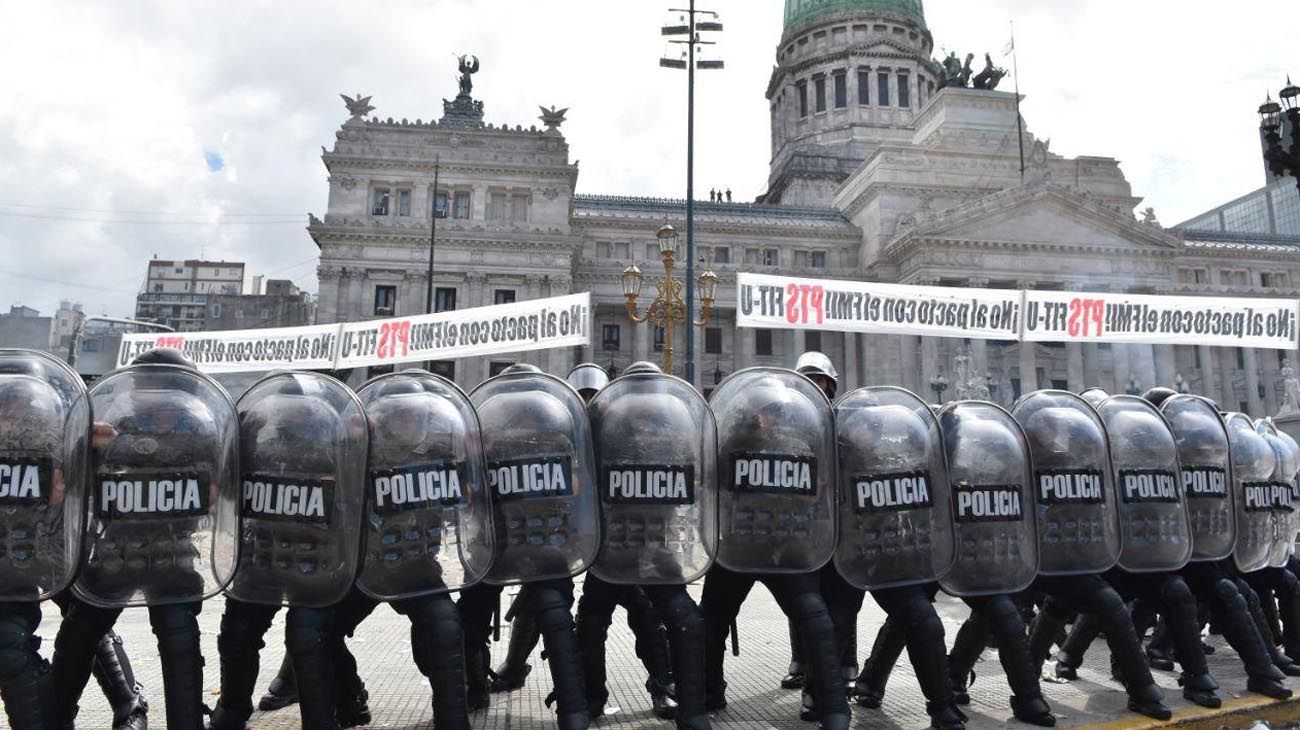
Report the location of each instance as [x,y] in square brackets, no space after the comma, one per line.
[174,623]
[304,630]
[1004,616]
[681,613]
[18,648]
[1174,592]
[551,606]
[241,632]
[809,607]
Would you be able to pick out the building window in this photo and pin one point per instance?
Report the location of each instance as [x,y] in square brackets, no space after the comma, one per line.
[659,339]
[440,204]
[519,208]
[1271,280]
[444,299]
[812,341]
[819,93]
[762,342]
[216,312]
[652,252]
[819,259]
[1193,276]
[404,202]
[904,89]
[1241,359]
[503,296]
[882,88]
[496,366]
[841,90]
[620,251]
[385,301]
[443,368]
[461,205]
[771,257]
[380,206]
[722,255]
[496,206]
[603,250]
[864,86]
[157,287]
[802,87]
[610,338]
[713,340]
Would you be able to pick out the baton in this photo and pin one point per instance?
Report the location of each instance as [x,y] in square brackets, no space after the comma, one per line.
[496,621]
[735,638]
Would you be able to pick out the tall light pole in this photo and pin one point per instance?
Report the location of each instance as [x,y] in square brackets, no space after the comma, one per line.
[691,30]
[433,235]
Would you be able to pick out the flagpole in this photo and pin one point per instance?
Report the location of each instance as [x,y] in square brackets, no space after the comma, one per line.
[1020,129]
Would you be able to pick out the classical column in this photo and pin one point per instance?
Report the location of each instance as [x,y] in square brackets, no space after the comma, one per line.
[1074,377]
[1255,403]
[1269,378]
[533,287]
[330,295]
[792,349]
[911,380]
[640,338]
[1228,400]
[930,368]
[1142,363]
[1205,355]
[979,349]
[851,376]
[1122,367]
[745,348]
[1091,365]
[1028,358]
[1166,365]
[558,358]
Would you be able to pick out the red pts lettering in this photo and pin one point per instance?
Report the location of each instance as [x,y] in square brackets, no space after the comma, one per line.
[394,340]
[175,343]
[807,304]
[1086,317]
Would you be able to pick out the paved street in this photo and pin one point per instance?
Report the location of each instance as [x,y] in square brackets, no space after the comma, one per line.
[399,698]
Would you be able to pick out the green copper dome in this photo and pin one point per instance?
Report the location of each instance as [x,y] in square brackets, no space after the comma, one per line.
[802,12]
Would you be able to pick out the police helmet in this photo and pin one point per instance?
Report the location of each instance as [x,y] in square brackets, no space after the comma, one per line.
[588,377]
[1094,396]
[813,363]
[642,367]
[164,356]
[1157,395]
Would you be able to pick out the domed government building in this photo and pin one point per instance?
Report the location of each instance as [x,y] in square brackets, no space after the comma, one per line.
[885,166]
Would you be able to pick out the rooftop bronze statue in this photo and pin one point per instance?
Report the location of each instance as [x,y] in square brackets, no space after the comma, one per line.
[468,67]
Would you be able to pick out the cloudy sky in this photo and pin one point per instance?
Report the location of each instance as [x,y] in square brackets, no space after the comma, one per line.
[187,129]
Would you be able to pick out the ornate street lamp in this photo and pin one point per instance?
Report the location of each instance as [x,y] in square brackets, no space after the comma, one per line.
[1282,157]
[1180,384]
[1134,387]
[939,385]
[668,308]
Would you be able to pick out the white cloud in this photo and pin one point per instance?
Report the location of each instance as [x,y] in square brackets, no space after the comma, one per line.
[111,107]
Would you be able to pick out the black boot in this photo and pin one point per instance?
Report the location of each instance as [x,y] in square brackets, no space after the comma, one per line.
[869,689]
[795,677]
[685,629]
[1232,612]
[514,670]
[1070,656]
[652,647]
[1283,662]
[283,690]
[972,638]
[1008,630]
[1149,701]
[1200,689]
[112,669]
[477,687]
[551,605]
[437,642]
[177,629]
[239,645]
[307,638]
[25,680]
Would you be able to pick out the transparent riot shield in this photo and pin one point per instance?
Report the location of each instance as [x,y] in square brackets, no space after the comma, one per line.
[541,472]
[656,471]
[1281,484]
[163,515]
[776,462]
[1253,463]
[428,526]
[1291,529]
[1205,458]
[994,525]
[1074,487]
[302,445]
[1153,513]
[895,509]
[44,442]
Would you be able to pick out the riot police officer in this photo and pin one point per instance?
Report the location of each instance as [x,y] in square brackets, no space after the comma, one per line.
[777,506]
[44,437]
[1069,447]
[896,538]
[1213,466]
[600,597]
[163,503]
[537,443]
[303,442]
[656,447]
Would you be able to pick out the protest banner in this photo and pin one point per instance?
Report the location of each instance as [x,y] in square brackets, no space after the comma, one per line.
[849,306]
[303,348]
[1056,316]
[536,324]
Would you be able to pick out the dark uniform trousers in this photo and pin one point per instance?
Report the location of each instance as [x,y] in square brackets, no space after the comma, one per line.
[595,614]
[25,681]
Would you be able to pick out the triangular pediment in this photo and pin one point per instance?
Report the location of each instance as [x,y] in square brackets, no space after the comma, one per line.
[1039,216]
